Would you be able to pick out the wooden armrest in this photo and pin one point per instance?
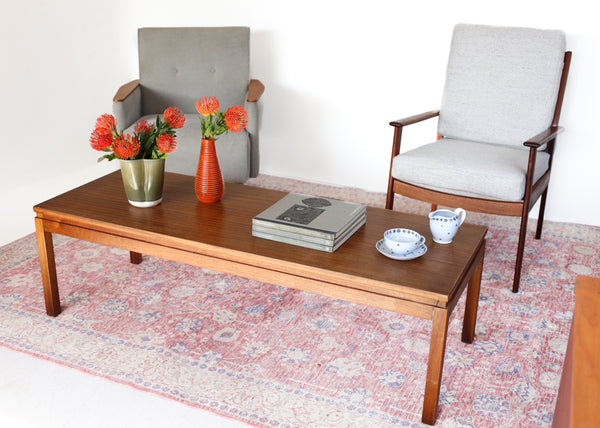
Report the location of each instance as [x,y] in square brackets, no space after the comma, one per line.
[416,118]
[255,90]
[543,137]
[125,90]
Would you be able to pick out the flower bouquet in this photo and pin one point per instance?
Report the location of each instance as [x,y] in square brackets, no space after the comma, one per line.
[215,123]
[149,141]
[142,154]
[209,184]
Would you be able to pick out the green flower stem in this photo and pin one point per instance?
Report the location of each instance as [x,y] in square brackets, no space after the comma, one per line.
[213,126]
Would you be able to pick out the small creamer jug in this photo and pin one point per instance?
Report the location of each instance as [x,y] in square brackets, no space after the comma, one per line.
[445,223]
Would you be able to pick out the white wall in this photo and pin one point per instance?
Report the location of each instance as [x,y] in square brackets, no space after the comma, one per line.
[336,74]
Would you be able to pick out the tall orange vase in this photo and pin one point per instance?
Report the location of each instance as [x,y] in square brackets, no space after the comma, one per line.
[209,180]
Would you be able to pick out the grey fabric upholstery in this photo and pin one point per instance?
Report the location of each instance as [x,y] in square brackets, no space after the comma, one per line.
[129,111]
[469,169]
[177,66]
[501,83]
[501,89]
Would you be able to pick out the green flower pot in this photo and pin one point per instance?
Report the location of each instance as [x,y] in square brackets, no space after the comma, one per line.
[143,180]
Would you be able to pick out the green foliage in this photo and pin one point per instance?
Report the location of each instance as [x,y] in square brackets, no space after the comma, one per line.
[213,126]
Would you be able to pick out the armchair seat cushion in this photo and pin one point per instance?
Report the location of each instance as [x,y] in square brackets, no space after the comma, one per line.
[233,150]
[467,168]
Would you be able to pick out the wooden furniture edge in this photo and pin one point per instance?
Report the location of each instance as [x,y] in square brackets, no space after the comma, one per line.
[586,352]
[84,229]
[468,203]
[255,90]
[577,402]
[543,137]
[125,90]
[415,118]
[475,263]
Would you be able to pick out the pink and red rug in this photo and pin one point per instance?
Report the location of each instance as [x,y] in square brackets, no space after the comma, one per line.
[275,357]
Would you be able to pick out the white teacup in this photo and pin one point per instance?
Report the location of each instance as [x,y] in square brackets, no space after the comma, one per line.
[445,223]
[402,241]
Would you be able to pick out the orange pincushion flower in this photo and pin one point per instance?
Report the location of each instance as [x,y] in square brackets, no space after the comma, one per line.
[149,140]
[174,117]
[207,106]
[106,122]
[236,119]
[125,146]
[101,139]
[142,126]
[166,143]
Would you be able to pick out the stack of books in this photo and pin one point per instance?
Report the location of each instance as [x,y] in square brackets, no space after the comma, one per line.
[312,222]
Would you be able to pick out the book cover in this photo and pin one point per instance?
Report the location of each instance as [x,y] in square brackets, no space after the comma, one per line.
[320,217]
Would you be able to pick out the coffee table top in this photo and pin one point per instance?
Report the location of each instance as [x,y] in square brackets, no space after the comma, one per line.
[224,230]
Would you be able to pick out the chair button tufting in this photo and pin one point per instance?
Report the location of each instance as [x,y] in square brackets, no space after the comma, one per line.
[213,70]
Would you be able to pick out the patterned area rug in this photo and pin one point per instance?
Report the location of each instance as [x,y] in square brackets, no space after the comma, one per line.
[275,357]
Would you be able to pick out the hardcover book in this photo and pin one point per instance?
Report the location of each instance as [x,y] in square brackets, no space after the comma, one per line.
[318,223]
[304,241]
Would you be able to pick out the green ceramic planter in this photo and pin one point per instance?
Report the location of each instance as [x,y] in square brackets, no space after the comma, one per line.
[143,180]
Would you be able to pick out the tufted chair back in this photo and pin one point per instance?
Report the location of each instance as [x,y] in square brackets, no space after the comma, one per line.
[180,65]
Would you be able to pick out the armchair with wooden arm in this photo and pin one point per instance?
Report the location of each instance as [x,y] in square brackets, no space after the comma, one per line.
[497,127]
[178,66]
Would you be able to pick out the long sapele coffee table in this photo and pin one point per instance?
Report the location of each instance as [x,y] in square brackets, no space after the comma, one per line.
[219,237]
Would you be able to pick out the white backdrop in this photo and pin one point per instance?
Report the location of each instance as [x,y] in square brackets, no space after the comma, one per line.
[336,74]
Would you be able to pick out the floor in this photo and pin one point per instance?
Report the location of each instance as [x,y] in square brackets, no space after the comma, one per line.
[37,393]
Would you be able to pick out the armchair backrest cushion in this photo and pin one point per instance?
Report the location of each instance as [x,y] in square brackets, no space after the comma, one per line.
[180,65]
[501,83]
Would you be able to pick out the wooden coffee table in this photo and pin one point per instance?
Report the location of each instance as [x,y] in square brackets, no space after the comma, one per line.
[218,236]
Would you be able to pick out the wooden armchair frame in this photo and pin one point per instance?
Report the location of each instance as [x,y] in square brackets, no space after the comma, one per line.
[533,190]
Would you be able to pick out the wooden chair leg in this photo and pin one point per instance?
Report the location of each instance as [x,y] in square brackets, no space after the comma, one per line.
[389,199]
[520,251]
[434,207]
[540,220]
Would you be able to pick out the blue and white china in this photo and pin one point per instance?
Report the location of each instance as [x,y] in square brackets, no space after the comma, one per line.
[402,241]
[445,223]
[383,249]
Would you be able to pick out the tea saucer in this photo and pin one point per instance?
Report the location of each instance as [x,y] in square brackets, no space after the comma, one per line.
[400,256]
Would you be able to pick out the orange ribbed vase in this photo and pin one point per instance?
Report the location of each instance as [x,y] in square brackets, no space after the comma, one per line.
[209,180]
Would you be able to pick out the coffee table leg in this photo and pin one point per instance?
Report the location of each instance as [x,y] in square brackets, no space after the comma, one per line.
[135,258]
[48,268]
[468,332]
[435,364]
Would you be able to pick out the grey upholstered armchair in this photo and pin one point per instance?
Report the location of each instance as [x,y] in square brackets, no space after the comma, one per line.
[177,66]
[497,127]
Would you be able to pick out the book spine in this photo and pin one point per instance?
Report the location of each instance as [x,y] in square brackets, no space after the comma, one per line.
[292,235]
[290,228]
[347,236]
[307,231]
[291,241]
